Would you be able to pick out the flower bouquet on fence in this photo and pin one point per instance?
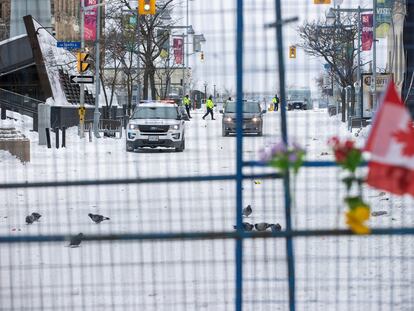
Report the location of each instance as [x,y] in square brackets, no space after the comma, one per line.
[349,157]
[282,157]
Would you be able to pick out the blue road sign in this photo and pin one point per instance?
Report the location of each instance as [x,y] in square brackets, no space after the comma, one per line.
[69,45]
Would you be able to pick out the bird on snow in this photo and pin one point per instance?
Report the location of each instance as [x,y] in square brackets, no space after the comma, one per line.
[261,226]
[247,211]
[30,219]
[76,240]
[36,216]
[97,218]
[246,226]
[275,227]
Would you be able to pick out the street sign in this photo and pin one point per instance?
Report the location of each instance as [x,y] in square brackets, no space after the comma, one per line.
[69,45]
[82,79]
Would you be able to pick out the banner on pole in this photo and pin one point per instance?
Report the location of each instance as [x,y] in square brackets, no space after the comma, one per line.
[178,46]
[383,17]
[90,21]
[163,36]
[367,35]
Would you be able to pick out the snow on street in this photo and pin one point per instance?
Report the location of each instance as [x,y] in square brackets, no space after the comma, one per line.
[332,273]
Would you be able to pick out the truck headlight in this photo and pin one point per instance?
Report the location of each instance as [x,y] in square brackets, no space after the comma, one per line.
[228,119]
[255,119]
[133,126]
[175,127]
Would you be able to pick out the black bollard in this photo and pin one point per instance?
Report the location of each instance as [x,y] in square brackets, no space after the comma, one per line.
[3,112]
[90,133]
[63,137]
[48,138]
[57,137]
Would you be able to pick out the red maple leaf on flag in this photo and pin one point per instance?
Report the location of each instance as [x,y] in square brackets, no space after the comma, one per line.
[406,137]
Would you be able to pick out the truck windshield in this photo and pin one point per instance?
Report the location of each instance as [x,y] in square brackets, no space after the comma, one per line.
[155,113]
[248,107]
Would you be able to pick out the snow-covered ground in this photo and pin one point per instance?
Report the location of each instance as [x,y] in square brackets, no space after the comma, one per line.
[332,273]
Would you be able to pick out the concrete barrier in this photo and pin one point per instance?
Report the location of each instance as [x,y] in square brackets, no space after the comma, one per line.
[16,143]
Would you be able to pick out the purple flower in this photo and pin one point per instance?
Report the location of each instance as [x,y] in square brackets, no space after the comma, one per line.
[278,149]
[293,157]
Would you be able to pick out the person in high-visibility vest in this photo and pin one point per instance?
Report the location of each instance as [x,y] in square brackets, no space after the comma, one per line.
[187,104]
[209,106]
[275,102]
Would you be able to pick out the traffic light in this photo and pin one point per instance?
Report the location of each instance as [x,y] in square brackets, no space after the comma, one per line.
[292,51]
[146,7]
[82,65]
[202,56]
[321,1]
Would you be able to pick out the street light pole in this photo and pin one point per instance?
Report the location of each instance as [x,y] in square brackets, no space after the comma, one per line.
[374,58]
[96,113]
[183,35]
[358,84]
[138,98]
[186,54]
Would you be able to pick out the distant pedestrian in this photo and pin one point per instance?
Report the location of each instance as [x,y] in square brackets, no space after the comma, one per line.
[275,102]
[187,104]
[209,106]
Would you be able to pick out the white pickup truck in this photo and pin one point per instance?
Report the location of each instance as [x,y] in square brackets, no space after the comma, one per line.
[156,124]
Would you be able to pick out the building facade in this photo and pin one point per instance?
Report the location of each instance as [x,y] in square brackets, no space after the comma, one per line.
[4,19]
[66,19]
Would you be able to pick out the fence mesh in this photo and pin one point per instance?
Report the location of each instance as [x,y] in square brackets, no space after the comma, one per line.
[170,242]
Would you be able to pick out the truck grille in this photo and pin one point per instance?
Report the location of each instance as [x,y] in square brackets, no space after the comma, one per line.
[154,128]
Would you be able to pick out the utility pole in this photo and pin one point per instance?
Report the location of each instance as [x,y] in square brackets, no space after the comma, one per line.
[96,113]
[82,87]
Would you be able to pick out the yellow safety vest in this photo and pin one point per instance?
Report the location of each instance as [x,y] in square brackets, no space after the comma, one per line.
[209,104]
[187,101]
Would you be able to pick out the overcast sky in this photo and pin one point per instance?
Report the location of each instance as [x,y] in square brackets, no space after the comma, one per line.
[216,19]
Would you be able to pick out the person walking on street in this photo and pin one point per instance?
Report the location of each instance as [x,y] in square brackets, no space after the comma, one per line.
[275,102]
[187,104]
[209,106]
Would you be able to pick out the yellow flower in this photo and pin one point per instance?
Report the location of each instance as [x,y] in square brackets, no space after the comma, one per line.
[361,212]
[356,217]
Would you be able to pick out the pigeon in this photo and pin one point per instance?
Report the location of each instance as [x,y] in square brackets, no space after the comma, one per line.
[246,226]
[30,219]
[261,226]
[97,218]
[247,211]
[76,240]
[36,216]
[275,227]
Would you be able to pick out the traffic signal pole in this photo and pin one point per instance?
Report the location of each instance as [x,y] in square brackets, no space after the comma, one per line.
[96,113]
[82,87]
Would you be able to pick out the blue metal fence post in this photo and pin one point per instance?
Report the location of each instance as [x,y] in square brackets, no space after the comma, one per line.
[286,178]
[239,173]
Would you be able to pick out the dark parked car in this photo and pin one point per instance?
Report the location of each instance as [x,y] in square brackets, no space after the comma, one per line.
[297,104]
[252,118]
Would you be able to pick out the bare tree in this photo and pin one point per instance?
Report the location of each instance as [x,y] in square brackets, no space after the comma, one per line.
[335,44]
[165,68]
[151,43]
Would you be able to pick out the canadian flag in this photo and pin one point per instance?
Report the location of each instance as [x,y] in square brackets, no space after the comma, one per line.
[391,143]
